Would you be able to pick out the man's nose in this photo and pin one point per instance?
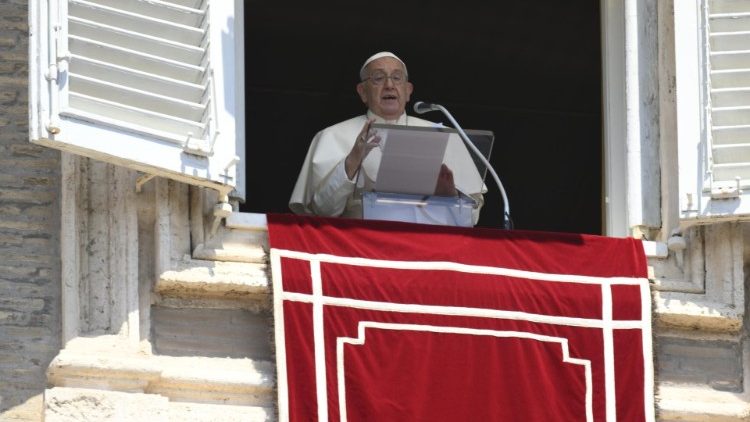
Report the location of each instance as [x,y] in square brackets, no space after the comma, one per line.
[389,82]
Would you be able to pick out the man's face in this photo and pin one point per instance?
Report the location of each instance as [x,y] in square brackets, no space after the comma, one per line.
[388,99]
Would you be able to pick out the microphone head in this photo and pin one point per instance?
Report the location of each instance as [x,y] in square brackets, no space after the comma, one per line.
[421,107]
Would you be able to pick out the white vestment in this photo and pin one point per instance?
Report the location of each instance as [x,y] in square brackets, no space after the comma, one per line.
[323,187]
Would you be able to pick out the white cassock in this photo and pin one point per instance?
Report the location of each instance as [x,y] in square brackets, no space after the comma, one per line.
[324,189]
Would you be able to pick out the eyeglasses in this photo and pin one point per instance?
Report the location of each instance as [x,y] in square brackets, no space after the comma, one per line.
[379,78]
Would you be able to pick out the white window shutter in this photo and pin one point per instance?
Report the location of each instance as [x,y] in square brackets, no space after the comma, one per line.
[712,54]
[153,85]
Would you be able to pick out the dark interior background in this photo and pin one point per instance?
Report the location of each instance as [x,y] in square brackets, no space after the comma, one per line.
[528,71]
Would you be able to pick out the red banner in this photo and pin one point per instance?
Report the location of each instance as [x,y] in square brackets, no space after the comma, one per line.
[380,321]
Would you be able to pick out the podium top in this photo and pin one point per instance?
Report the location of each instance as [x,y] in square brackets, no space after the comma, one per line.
[410,158]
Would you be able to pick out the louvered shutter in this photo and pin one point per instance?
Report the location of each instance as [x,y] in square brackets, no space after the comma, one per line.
[729,59]
[153,85]
[713,103]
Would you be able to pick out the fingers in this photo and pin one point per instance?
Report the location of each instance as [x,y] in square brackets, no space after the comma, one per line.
[445,185]
[373,142]
[365,142]
[365,134]
[446,173]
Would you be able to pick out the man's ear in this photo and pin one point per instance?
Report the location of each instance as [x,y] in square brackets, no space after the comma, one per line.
[409,90]
[361,92]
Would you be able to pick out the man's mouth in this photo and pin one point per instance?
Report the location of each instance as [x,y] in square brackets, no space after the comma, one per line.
[389,98]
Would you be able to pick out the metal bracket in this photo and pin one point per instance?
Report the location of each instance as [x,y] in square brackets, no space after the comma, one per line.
[196,146]
[233,162]
[726,191]
[222,210]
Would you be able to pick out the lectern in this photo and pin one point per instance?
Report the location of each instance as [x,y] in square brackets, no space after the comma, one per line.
[408,170]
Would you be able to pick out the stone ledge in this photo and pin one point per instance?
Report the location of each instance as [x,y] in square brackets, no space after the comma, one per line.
[215,279]
[68,404]
[102,364]
[244,238]
[685,310]
[700,404]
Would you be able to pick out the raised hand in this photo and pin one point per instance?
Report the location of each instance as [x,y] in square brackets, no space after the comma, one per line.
[365,142]
[445,185]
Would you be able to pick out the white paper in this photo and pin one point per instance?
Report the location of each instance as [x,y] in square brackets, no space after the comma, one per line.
[411,160]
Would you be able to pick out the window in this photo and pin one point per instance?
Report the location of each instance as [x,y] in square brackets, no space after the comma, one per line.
[152,85]
[713,107]
[539,91]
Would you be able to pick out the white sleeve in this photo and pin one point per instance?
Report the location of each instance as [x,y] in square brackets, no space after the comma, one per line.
[330,196]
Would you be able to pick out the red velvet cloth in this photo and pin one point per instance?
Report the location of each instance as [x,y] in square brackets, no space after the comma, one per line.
[453,324]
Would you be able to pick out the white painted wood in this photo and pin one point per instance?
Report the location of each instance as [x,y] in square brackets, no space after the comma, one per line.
[668,148]
[691,157]
[36,10]
[613,80]
[729,52]
[713,109]
[152,86]
[632,185]
[240,186]
[154,9]
[633,114]
[641,80]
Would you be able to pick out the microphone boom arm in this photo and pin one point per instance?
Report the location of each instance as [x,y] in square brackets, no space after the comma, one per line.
[473,149]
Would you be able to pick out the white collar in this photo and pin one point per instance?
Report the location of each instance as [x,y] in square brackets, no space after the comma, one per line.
[402,120]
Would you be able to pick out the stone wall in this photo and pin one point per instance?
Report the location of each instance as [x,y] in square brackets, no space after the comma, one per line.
[29,233]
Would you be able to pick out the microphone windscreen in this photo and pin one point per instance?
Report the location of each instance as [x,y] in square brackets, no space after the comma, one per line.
[421,107]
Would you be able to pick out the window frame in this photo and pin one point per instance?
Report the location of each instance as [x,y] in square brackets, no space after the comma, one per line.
[221,169]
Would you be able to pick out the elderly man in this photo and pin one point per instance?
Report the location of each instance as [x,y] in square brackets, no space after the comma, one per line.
[343,159]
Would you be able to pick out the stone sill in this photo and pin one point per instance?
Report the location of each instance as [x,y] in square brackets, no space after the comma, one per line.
[692,311]
[107,363]
[69,404]
[217,279]
[700,404]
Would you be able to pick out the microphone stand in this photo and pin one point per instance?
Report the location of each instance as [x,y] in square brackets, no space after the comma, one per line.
[506,207]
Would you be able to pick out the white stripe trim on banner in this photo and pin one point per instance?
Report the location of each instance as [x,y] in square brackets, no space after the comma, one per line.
[321,386]
[609,348]
[607,324]
[278,319]
[461,311]
[455,266]
[364,325]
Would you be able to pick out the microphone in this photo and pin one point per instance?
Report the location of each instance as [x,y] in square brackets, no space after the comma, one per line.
[421,107]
